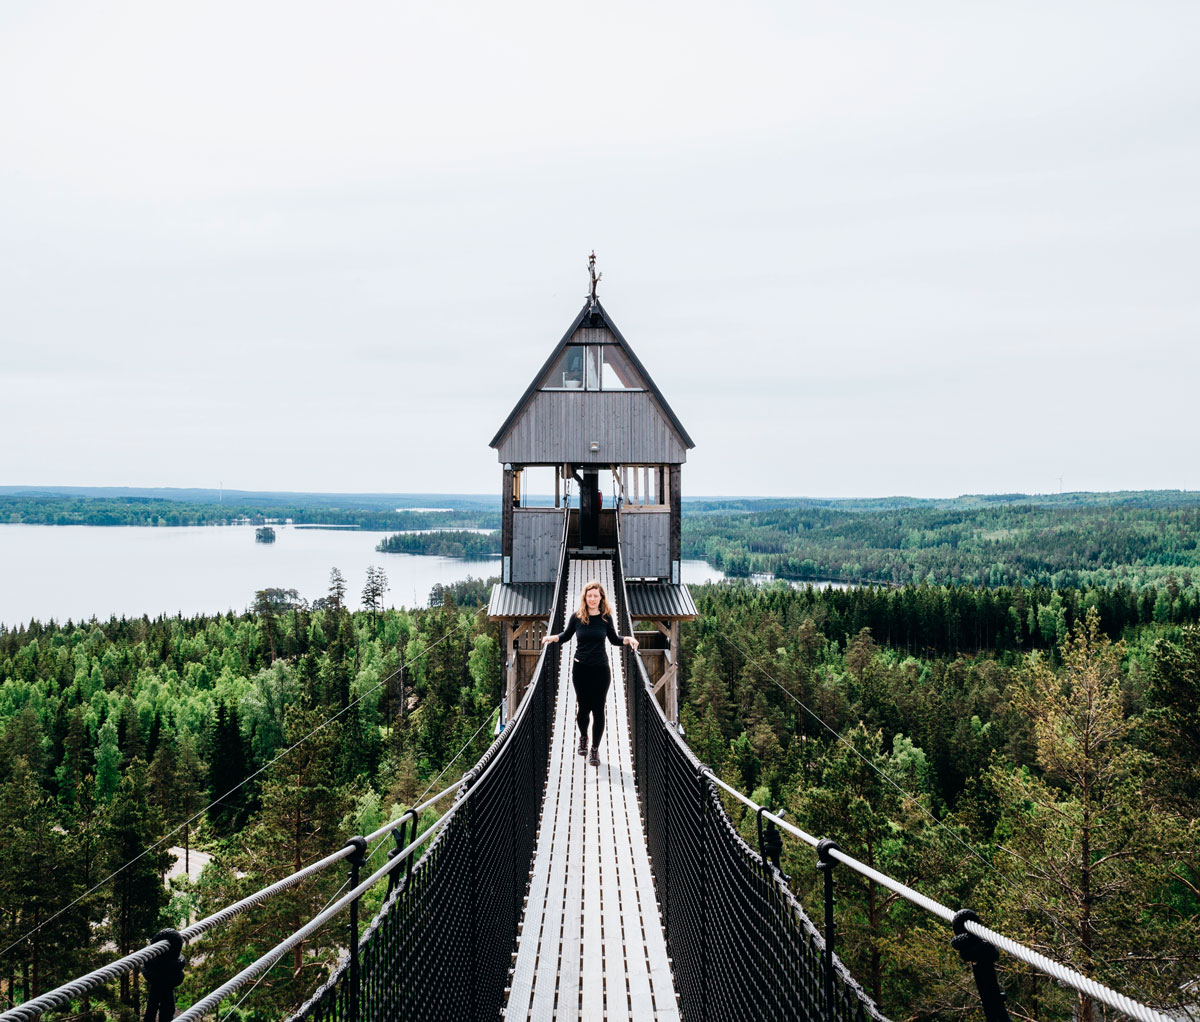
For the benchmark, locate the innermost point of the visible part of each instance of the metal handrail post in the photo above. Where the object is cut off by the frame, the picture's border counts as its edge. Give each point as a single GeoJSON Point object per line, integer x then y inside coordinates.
{"type": "Point", "coordinates": [770, 843]}
{"type": "Point", "coordinates": [357, 860]}
{"type": "Point", "coordinates": [826, 863]}
{"type": "Point", "coordinates": [163, 974]}
{"type": "Point", "coordinates": [398, 836]}
{"type": "Point", "coordinates": [982, 957]}
{"type": "Point", "coordinates": [705, 880]}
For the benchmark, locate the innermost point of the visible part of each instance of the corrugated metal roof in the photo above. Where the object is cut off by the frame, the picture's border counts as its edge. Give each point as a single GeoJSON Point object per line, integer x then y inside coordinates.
{"type": "Point", "coordinates": [659, 600]}
{"type": "Point", "coordinates": [521, 599]}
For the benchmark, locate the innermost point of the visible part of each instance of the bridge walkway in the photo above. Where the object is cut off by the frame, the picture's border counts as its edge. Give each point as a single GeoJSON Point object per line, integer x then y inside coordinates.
{"type": "Point", "coordinates": [591, 944]}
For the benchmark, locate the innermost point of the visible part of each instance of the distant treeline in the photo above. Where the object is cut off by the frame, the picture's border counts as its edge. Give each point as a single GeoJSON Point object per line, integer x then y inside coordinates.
{"type": "Point", "coordinates": [261, 498]}
{"type": "Point", "coordinates": [965, 502]}
{"type": "Point", "coordinates": [71, 510]}
{"type": "Point", "coordinates": [994, 546]}
{"type": "Point", "coordinates": [1074, 539]}
{"type": "Point", "coordinates": [473, 546]}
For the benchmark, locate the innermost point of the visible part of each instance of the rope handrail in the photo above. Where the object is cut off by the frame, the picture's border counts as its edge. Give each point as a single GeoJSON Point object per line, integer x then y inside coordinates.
{"type": "Point", "coordinates": [1060, 972]}
{"type": "Point", "coordinates": [232, 986]}
{"type": "Point", "coordinates": [440, 944]}
{"type": "Point", "coordinates": [60, 996]}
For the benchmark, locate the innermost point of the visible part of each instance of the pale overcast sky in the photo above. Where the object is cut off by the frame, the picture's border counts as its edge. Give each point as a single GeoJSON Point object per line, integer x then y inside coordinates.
{"type": "Point", "coordinates": [863, 249]}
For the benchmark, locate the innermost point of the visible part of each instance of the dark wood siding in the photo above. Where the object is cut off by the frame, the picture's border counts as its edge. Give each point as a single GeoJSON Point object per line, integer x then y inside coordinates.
{"type": "Point", "coordinates": [559, 426]}
{"type": "Point", "coordinates": [646, 544]}
{"type": "Point", "coordinates": [676, 517]}
{"type": "Point", "coordinates": [537, 535]}
{"type": "Point", "coordinates": [506, 510]}
{"type": "Point", "coordinates": [593, 335]}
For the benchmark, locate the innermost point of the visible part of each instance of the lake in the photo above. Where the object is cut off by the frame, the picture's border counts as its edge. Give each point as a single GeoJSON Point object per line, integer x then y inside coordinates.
{"type": "Point", "coordinates": [81, 571]}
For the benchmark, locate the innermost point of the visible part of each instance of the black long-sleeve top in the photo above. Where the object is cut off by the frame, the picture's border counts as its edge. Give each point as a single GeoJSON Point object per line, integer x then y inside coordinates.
{"type": "Point", "coordinates": [589, 645]}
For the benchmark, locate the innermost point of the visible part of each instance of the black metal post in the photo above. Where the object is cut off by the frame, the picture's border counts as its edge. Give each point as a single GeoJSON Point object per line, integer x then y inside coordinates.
{"type": "Point", "coordinates": [359, 844]}
{"type": "Point", "coordinates": [705, 880]}
{"type": "Point", "coordinates": [468, 817]}
{"type": "Point", "coordinates": [401, 841]}
{"type": "Point", "coordinates": [825, 863]}
{"type": "Point", "coordinates": [982, 956]}
{"type": "Point", "coordinates": [770, 843]}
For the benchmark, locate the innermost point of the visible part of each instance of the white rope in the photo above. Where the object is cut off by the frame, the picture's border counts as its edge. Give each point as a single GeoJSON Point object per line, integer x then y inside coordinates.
{"type": "Point", "coordinates": [1070, 977]}
{"type": "Point", "coordinates": [63, 995]}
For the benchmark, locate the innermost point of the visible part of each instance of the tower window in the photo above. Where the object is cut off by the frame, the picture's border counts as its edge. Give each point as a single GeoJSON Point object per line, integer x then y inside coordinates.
{"type": "Point", "coordinates": [592, 367]}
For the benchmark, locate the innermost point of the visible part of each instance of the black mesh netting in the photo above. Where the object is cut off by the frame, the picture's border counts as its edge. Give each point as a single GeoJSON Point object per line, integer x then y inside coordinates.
{"type": "Point", "coordinates": [441, 945]}
{"type": "Point", "coordinates": [741, 944]}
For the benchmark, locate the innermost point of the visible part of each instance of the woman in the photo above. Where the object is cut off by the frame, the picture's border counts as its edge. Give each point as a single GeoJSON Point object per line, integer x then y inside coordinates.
{"type": "Point", "coordinates": [591, 624]}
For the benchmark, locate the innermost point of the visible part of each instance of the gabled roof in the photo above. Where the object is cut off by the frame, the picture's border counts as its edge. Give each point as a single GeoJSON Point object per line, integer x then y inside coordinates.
{"type": "Point", "coordinates": [593, 316]}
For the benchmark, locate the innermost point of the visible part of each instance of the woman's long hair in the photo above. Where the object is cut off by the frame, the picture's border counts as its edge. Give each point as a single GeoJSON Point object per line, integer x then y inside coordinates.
{"type": "Point", "coordinates": [582, 612]}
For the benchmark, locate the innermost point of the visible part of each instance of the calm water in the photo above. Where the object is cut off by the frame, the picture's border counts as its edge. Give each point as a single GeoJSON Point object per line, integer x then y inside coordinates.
{"type": "Point", "coordinates": [80, 571]}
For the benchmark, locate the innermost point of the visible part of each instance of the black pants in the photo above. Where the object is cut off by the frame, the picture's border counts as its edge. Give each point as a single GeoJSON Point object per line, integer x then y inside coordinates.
{"type": "Point", "coordinates": [591, 688]}
{"type": "Point", "coordinates": [164, 1005]}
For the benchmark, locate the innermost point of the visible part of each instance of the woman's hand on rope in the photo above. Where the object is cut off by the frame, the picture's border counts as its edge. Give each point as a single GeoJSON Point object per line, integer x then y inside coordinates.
{"type": "Point", "coordinates": [632, 642]}
{"type": "Point", "coordinates": [547, 639]}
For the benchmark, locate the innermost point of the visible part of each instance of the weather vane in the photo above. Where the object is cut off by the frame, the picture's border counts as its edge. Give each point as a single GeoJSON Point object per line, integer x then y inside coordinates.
{"type": "Point", "coordinates": [596, 277]}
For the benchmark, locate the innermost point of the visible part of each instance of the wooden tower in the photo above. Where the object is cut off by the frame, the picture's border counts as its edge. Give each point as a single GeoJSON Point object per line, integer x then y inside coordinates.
{"type": "Point", "coordinates": [595, 418]}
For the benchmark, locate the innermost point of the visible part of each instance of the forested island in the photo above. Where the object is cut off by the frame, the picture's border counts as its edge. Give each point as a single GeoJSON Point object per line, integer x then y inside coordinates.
{"type": "Point", "coordinates": [474, 546]}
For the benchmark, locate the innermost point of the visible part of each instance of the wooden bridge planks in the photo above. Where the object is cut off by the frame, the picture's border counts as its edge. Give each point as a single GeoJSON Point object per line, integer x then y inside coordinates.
{"type": "Point", "coordinates": [591, 944]}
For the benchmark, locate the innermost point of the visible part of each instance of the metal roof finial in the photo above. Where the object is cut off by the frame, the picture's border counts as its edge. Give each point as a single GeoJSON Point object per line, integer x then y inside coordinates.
{"type": "Point", "coordinates": [596, 277]}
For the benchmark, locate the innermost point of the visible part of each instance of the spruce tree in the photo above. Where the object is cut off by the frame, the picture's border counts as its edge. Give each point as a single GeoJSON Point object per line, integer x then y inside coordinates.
{"type": "Point", "coordinates": [108, 760]}
{"type": "Point", "coordinates": [71, 769]}
{"type": "Point", "coordinates": [299, 822]}
{"type": "Point", "coordinates": [190, 790]}
{"type": "Point", "coordinates": [229, 766]}
{"type": "Point", "coordinates": [131, 826]}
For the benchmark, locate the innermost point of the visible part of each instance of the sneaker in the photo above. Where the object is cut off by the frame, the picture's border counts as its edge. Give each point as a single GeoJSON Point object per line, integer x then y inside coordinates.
{"type": "Point", "coordinates": [583, 745]}
{"type": "Point", "coordinates": [594, 758]}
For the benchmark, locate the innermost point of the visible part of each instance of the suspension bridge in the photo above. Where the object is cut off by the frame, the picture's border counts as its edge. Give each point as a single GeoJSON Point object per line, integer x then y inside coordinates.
{"type": "Point", "coordinates": [550, 889]}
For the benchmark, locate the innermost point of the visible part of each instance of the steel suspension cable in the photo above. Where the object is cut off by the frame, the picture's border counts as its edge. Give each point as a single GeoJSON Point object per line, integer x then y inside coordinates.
{"type": "Point", "coordinates": [32, 1009]}
{"type": "Point", "coordinates": [833, 731]}
{"type": "Point", "coordinates": [1057, 970]}
{"type": "Point", "coordinates": [255, 984]}
{"type": "Point", "coordinates": [212, 1000]}
{"type": "Point", "coordinates": [63, 995]}
{"type": "Point", "coordinates": [912, 799]}
{"type": "Point", "coordinates": [380, 836]}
